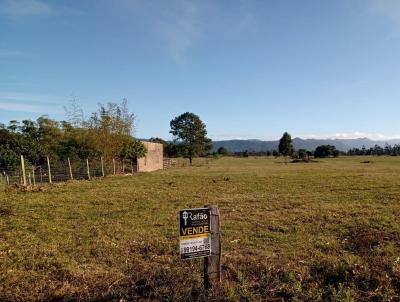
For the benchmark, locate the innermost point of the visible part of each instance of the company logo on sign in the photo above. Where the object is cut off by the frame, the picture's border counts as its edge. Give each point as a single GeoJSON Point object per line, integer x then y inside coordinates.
{"type": "Point", "coordinates": [193, 217]}
{"type": "Point", "coordinates": [185, 216]}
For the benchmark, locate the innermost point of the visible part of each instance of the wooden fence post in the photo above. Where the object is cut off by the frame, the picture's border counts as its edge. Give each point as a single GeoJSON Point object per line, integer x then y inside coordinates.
{"type": "Point", "coordinates": [102, 165]}
{"type": "Point", "coordinates": [212, 264]}
{"type": "Point", "coordinates": [3, 176]}
{"type": "Point", "coordinates": [29, 178]}
{"type": "Point", "coordinates": [87, 166]}
{"type": "Point", "coordinates": [6, 180]}
{"type": "Point", "coordinates": [70, 170]}
{"type": "Point", "coordinates": [33, 175]}
{"type": "Point", "coordinates": [48, 169]}
{"type": "Point", "coordinates": [114, 165]}
{"type": "Point", "coordinates": [23, 170]}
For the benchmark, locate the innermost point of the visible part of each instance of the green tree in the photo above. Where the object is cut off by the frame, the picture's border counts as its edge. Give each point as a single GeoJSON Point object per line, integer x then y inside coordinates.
{"type": "Point", "coordinates": [286, 145]}
{"type": "Point", "coordinates": [191, 135]}
{"type": "Point", "coordinates": [110, 128]}
{"type": "Point", "coordinates": [134, 150]}
{"type": "Point", "coordinates": [222, 151]}
{"type": "Point", "coordinates": [302, 153]}
{"type": "Point", "coordinates": [13, 125]}
{"type": "Point", "coordinates": [108, 132]}
{"type": "Point", "coordinates": [326, 151]}
{"type": "Point", "coordinates": [35, 141]}
{"type": "Point", "coordinates": [75, 144]}
{"type": "Point", "coordinates": [172, 150]}
{"type": "Point", "coordinates": [9, 160]}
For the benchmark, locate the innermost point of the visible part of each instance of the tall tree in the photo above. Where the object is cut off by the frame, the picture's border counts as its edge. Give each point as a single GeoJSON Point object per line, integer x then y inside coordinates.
{"type": "Point", "coordinates": [286, 145]}
{"type": "Point", "coordinates": [111, 128]}
{"type": "Point", "coordinates": [133, 150]}
{"type": "Point", "coordinates": [190, 134]}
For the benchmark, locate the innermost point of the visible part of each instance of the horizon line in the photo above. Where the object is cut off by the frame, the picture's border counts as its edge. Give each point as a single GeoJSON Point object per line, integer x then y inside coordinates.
{"type": "Point", "coordinates": [383, 139]}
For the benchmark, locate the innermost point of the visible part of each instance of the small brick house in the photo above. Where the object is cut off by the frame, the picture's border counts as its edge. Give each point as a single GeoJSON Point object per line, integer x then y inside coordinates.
{"type": "Point", "coordinates": [153, 160]}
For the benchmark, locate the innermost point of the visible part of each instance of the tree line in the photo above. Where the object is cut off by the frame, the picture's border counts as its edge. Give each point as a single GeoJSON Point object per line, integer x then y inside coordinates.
{"type": "Point", "coordinates": [108, 133]}
{"type": "Point", "coordinates": [286, 149]}
{"type": "Point", "coordinates": [376, 150]}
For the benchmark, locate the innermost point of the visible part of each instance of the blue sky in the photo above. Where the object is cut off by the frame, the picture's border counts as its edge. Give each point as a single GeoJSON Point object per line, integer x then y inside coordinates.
{"type": "Point", "coordinates": [249, 69]}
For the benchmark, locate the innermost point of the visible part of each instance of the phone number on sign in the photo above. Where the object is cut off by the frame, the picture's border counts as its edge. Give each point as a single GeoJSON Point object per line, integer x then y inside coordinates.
{"type": "Point", "coordinates": [195, 248]}
{"type": "Point", "coordinates": [195, 245]}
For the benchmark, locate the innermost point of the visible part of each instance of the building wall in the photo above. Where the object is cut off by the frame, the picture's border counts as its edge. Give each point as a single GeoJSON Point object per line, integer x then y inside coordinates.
{"type": "Point", "coordinates": [153, 160]}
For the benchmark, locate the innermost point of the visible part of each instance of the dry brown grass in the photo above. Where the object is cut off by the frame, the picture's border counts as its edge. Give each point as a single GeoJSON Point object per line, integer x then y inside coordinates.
{"type": "Point", "coordinates": [326, 231]}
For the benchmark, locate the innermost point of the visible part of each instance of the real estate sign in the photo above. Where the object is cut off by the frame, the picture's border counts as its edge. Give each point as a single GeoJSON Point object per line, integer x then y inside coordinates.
{"type": "Point", "coordinates": [195, 233]}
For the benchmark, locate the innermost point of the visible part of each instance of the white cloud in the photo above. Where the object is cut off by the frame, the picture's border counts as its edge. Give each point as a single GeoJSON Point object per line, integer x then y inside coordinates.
{"type": "Point", "coordinates": [23, 107]}
{"type": "Point", "coordinates": [34, 103]}
{"type": "Point", "coordinates": [21, 8]}
{"type": "Point", "coordinates": [29, 97]}
{"type": "Point", "coordinates": [353, 135]}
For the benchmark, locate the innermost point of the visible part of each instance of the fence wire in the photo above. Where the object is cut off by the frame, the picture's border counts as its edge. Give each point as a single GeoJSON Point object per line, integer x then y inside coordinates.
{"type": "Point", "coordinates": [58, 171]}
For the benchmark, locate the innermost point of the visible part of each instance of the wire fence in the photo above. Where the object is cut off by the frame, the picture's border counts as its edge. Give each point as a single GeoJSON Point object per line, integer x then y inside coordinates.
{"type": "Point", "coordinates": [57, 171]}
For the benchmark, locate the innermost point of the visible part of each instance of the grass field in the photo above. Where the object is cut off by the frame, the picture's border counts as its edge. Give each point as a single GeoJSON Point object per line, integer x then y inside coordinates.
{"type": "Point", "coordinates": [325, 231]}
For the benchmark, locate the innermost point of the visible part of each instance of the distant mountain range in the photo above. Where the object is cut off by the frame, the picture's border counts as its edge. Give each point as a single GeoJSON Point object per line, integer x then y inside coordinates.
{"type": "Point", "coordinates": [239, 145]}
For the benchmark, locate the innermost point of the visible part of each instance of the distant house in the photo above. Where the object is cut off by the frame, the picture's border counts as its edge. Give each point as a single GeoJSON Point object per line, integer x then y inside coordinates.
{"type": "Point", "coordinates": [153, 160]}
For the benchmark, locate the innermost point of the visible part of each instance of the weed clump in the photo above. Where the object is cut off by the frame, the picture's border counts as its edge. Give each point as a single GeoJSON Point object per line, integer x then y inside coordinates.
{"type": "Point", "coordinates": [5, 212]}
